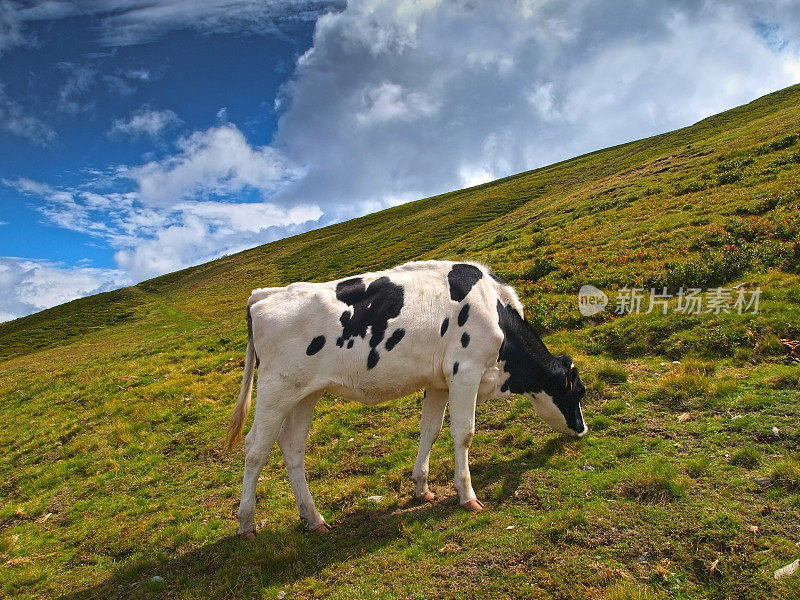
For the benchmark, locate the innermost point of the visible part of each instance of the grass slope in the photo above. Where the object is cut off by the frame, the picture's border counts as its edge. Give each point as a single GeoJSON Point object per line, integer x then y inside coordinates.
{"type": "Point", "coordinates": [114, 406]}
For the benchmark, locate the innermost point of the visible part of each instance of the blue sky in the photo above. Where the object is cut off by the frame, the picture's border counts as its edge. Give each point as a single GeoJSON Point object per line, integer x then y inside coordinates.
{"type": "Point", "coordinates": [138, 137]}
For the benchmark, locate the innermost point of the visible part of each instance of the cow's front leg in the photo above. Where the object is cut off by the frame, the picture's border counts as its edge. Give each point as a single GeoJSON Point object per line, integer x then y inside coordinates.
{"type": "Point", "coordinates": [292, 442]}
{"type": "Point", "coordinates": [430, 424]}
{"type": "Point", "coordinates": [463, 394]}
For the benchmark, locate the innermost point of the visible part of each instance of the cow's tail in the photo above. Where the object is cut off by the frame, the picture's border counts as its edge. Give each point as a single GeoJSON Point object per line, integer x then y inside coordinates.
{"type": "Point", "coordinates": [242, 407]}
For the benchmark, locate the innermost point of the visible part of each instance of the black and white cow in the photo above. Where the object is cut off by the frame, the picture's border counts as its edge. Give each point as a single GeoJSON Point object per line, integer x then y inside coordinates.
{"type": "Point", "coordinates": [452, 328]}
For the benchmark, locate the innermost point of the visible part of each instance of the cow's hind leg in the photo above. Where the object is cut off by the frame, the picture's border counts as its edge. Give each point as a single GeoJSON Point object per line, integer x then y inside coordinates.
{"type": "Point", "coordinates": [292, 441]}
{"type": "Point", "coordinates": [272, 406]}
{"type": "Point", "coordinates": [463, 395]}
{"type": "Point", "coordinates": [430, 424]}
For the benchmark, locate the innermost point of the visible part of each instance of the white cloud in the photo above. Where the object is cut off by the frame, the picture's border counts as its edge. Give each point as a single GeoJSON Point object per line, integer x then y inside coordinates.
{"type": "Point", "coordinates": [401, 96]}
{"type": "Point", "coordinates": [231, 219]}
{"type": "Point", "coordinates": [389, 102]}
{"type": "Point", "coordinates": [145, 122]}
{"type": "Point", "coordinates": [125, 82]}
{"type": "Point", "coordinates": [213, 162]}
{"type": "Point", "coordinates": [14, 15]}
{"type": "Point", "coordinates": [15, 120]}
{"type": "Point", "coordinates": [80, 79]}
{"type": "Point", "coordinates": [202, 231]}
{"type": "Point", "coordinates": [33, 285]}
{"type": "Point", "coordinates": [11, 26]}
{"type": "Point", "coordinates": [183, 210]}
{"type": "Point", "coordinates": [139, 74]}
{"type": "Point", "coordinates": [127, 22]}
{"type": "Point", "coordinates": [151, 240]}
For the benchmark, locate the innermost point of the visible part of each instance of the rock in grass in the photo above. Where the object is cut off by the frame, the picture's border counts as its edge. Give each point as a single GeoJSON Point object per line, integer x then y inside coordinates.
{"type": "Point", "coordinates": [787, 570]}
{"type": "Point", "coordinates": [157, 579]}
{"type": "Point", "coordinates": [375, 499]}
{"type": "Point", "coordinates": [764, 481]}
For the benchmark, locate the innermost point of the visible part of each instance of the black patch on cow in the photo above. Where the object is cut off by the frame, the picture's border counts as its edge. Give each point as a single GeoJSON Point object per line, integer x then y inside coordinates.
{"type": "Point", "coordinates": [373, 358]}
{"type": "Point", "coordinates": [445, 324]}
{"type": "Point", "coordinates": [465, 339]}
{"type": "Point", "coordinates": [316, 345]}
{"type": "Point", "coordinates": [350, 344]}
{"type": "Point", "coordinates": [372, 306]}
{"type": "Point", "coordinates": [463, 315]}
{"type": "Point", "coordinates": [455, 367]}
{"type": "Point", "coordinates": [532, 368]}
{"type": "Point", "coordinates": [340, 342]}
{"type": "Point", "coordinates": [395, 338]}
{"type": "Point", "coordinates": [461, 278]}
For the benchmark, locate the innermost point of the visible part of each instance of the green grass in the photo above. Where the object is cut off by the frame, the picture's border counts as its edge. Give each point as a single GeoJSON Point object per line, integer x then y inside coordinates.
{"type": "Point", "coordinates": [114, 407]}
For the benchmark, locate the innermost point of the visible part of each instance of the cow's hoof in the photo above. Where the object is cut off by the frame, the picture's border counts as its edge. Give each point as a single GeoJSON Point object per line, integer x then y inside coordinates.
{"type": "Point", "coordinates": [321, 528]}
{"type": "Point", "coordinates": [248, 535]}
{"type": "Point", "coordinates": [427, 497]}
{"type": "Point", "coordinates": [474, 505]}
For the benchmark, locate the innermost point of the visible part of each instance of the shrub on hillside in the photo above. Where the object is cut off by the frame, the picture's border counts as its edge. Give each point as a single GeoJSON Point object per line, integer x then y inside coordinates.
{"type": "Point", "coordinates": [780, 144]}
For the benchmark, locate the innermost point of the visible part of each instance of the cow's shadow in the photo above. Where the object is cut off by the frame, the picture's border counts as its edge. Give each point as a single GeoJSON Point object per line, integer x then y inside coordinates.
{"type": "Point", "coordinates": [233, 567]}
{"type": "Point", "coordinates": [508, 474]}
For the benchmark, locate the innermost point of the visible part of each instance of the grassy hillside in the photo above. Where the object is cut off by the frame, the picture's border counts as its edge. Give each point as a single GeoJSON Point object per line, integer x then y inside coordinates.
{"type": "Point", "coordinates": [687, 486]}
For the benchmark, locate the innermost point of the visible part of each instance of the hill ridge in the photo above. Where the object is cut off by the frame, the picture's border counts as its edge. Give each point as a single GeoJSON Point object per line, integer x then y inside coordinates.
{"type": "Point", "coordinates": [422, 228]}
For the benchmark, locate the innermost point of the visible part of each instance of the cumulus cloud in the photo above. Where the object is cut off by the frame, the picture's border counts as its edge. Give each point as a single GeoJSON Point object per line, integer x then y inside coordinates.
{"type": "Point", "coordinates": [408, 99]}
{"type": "Point", "coordinates": [32, 285]}
{"type": "Point", "coordinates": [217, 161]}
{"type": "Point", "coordinates": [145, 122]}
{"type": "Point", "coordinates": [202, 231]}
{"type": "Point", "coordinates": [390, 102]}
{"type": "Point", "coordinates": [183, 210]}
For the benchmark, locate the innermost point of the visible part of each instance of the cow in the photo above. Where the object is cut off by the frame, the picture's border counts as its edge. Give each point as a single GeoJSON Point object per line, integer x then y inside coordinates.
{"type": "Point", "coordinates": [452, 328]}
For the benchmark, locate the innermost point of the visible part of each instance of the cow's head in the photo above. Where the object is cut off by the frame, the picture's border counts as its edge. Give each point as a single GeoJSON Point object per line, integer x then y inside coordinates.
{"type": "Point", "coordinates": [559, 401]}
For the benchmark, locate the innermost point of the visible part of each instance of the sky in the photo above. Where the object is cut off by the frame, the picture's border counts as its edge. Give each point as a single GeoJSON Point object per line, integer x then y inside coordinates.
{"type": "Point", "coordinates": [139, 137]}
